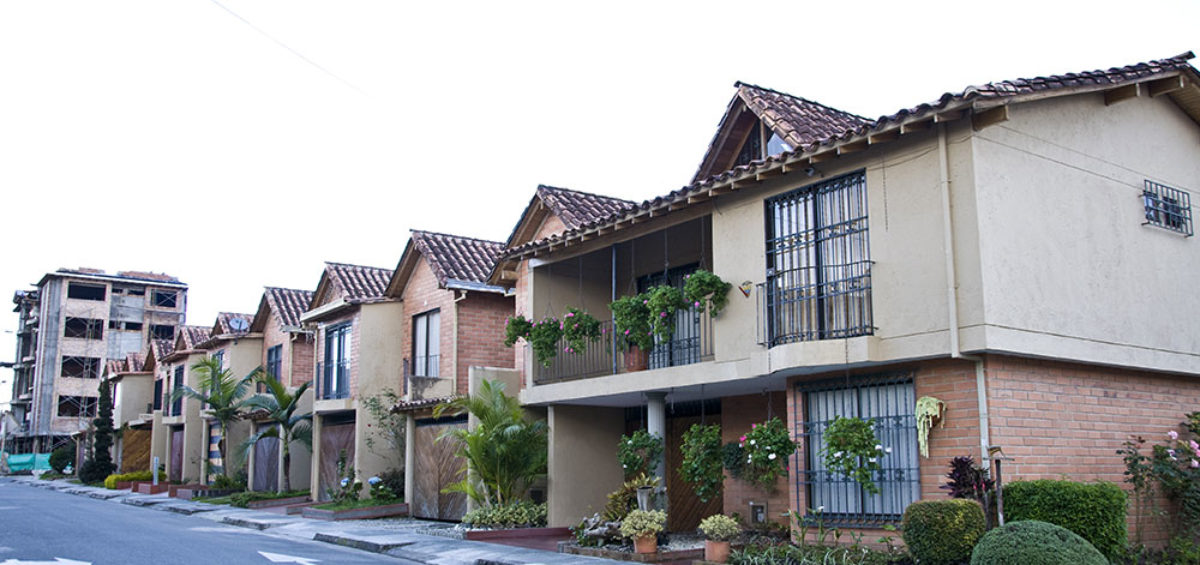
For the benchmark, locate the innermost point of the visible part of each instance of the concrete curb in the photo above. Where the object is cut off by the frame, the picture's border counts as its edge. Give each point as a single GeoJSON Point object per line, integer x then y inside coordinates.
{"type": "Point", "coordinates": [359, 543]}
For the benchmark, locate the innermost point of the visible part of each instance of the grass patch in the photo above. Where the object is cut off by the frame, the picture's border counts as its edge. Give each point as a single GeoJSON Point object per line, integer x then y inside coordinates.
{"type": "Point", "coordinates": [351, 505]}
{"type": "Point", "coordinates": [214, 500]}
{"type": "Point", "coordinates": [51, 475]}
{"type": "Point", "coordinates": [243, 499]}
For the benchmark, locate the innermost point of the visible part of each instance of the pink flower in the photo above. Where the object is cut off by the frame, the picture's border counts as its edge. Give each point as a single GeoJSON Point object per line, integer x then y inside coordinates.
{"type": "Point", "coordinates": [1193, 444]}
{"type": "Point", "coordinates": [662, 314]}
{"type": "Point", "coordinates": [645, 302]}
{"type": "Point", "coordinates": [603, 331]}
{"type": "Point", "coordinates": [753, 426]}
{"type": "Point", "coordinates": [1195, 464]}
{"type": "Point", "coordinates": [697, 304]}
{"type": "Point", "coordinates": [569, 315]}
{"type": "Point", "coordinates": [742, 439]}
{"type": "Point", "coordinates": [626, 332]}
{"type": "Point", "coordinates": [1174, 435]}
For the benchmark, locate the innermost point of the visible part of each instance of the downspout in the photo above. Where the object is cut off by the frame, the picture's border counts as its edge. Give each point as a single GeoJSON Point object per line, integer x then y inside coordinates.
{"type": "Point", "coordinates": [952, 297]}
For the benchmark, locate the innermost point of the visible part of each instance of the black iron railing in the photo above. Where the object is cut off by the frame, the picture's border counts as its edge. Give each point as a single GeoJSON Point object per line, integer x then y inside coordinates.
{"type": "Point", "coordinates": [335, 380]}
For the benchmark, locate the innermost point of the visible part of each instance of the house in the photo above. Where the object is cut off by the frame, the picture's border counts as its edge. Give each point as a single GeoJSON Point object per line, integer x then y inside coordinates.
{"type": "Point", "coordinates": [286, 356]}
{"type": "Point", "coordinates": [358, 333]}
{"type": "Point", "coordinates": [178, 436]}
{"type": "Point", "coordinates": [133, 408]}
{"type": "Point", "coordinates": [239, 351]}
{"type": "Point", "coordinates": [454, 322]}
{"type": "Point", "coordinates": [1016, 250]}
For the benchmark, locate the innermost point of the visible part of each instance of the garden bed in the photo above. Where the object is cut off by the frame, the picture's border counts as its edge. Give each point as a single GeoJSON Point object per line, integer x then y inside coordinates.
{"type": "Point", "coordinates": [146, 487]}
{"type": "Point", "coordinates": [680, 547]}
{"type": "Point", "coordinates": [488, 535]}
{"type": "Point", "coordinates": [188, 491]}
{"type": "Point", "coordinates": [272, 502]}
{"type": "Point", "coordinates": [360, 513]}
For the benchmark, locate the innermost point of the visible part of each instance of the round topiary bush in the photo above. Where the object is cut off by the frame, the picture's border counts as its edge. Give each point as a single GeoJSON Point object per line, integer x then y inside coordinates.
{"type": "Point", "coordinates": [1029, 542]}
{"type": "Point", "coordinates": [940, 532]}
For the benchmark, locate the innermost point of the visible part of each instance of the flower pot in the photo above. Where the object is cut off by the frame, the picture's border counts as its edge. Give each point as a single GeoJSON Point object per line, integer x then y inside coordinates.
{"type": "Point", "coordinates": [645, 544]}
{"type": "Point", "coordinates": [643, 497]}
{"type": "Point", "coordinates": [716, 551]}
{"type": "Point", "coordinates": [636, 359]}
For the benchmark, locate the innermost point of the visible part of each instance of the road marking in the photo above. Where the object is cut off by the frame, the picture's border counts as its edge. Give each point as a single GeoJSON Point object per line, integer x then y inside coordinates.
{"type": "Point", "coordinates": [57, 561]}
{"type": "Point", "coordinates": [280, 558]}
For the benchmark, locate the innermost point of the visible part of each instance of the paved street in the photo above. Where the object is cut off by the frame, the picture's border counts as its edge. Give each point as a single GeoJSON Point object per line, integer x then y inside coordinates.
{"type": "Point", "coordinates": [44, 525]}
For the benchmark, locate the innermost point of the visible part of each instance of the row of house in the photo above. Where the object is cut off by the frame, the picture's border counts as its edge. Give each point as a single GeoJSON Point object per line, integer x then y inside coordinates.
{"type": "Point", "coordinates": [1020, 250]}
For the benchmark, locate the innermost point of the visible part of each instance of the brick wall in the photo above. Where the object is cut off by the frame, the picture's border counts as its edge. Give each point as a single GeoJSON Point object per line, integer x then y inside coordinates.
{"type": "Point", "coordinates": [550, 226]}
{"type": "Point", "coordinates": [300, 351]}
{"type": "Point", "coordinates": [422, 294]}
{"type": "Point", "coordinates": [480, 325]}
{"type": "Point", "coordinates": [737, 414]}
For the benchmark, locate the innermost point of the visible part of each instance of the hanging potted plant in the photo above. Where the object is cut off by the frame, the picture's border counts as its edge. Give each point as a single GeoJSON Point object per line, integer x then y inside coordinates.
{"type": "Point", "coordinates": [718, 529]}
{"type": "Point", "coordinates": [663, 301]}
{"type": "Point", "coordinates": [766, 448]}
{"type": "Point", "coordinates": [631, 319]}
{"type": "Point", "coordinates": [702, 460]}
{"type": "Point", "coordinates": [643, 527]}
{"type": "Point", "coordinates": [543, 338]}
{"type": "Point", "coordinates": [852, 449]}
{"type": "Point", "coordinates": [518, 327]}
{"type": "Point", "coordinates": [639, 453]}
{"type": "Point", "coordinates": [704, 290]}
{"type": "Point", "coordinates": [579, 329]}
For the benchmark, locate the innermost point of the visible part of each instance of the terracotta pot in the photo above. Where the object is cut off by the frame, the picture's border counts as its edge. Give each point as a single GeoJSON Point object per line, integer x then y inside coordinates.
{"type": "Point", "coordinates": [716, 551]}
{"type": "Point", "coordinates": [646, 544]}
{"type": "Point", "coordinates": [636, 359]}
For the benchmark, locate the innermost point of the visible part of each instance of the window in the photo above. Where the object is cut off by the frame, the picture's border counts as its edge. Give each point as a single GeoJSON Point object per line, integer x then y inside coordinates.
{"type": "Point", "coordinates": [752, 148]}
{"type": "Point", "coordinates": [1168, 208]}
{"type": "Point", "coordinates": [426, 344]}
{"type": "Point", "coordinates": [77, 406]}
{"type": "Point", "coordinates": [818, 263]}
{"type": "Point", "coordinates": [162, 332]}
{"type": "Point", "coordinates": [684, 347]}
{"type": "Point", "coordinates": [177, 403]}
{"type": "Point", "coordinates": [158, 392]}
{"type": "Point", "coordinates": [137, 292]}
{"type": "Point", "coordinates": [127, 326]}
{"type": "Point", "coordinates": [85, 328]}
{"type": "Point", "coordinates": [164, 298]}
{"type": "Point", "coordinates": [336, 369]}
{"type": "Point", "coordinates": [85, 291]}
{"type": "Point", "coordinates": [889, 400]}
{"type": "Point", "coordinates": [80, 367]}
{"type": "Point", "coordinates": [275, 361]}
{"type": "Point", "coordinates": [219, 356]}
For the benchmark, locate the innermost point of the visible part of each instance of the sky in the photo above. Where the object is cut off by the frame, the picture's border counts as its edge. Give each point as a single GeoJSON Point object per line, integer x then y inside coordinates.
{"type": "Point", "coordinates": [237, 144]}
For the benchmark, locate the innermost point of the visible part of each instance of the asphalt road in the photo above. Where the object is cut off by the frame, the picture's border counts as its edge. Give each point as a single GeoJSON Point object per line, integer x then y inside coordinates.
{"type": "Point", "coordinates": [42, 525]}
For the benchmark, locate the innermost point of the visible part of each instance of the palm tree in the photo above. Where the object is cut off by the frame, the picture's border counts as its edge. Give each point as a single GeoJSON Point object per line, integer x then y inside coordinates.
{"type": "Point", "coordinates": [222, 393]}
{"type": "Point", "coordinates": [505, 452]}
{"type": "Point", "coordinates": [281, 409]}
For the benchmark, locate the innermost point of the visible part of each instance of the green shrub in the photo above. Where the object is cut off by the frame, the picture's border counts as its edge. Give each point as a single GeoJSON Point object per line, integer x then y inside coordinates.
{"type": "Point", "coordinates": [940, 532]}
{"type": "Point", "coordinates": [1096, 512]}
{"type": "Point", "coordinates": [1030, 542]}
{"type": "Point", "coordinates": [243, 499]}
{"type": "Point", "coordinates": [523, 514]}
{"type": "Point", "coordinates": [110, 482]}
{"type": "Point", "coordinates": [61, 457]}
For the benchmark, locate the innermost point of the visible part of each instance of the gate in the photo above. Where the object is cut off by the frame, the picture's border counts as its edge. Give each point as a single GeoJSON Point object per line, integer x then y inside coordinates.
{"type": "Point", "coordinates": [176, 474]}
{"type": "Point", "coordinates": [337, 437]}
{"type": "Point", "coordinates": [266, 462]}
{"type": "Point", "coordinates": [436, 466]}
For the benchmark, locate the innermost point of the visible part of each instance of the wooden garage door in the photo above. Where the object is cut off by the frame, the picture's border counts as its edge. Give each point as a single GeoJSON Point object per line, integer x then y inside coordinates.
{"type": "Point", "coordinates": [435, 467]}
{"type": "Point", "coordinates": [266, 462]}
{"type": "Point", "coordinates": [686, 509]}
{"type": "Point", "coordinates": [336, 437]}
{"type": "Point", "coordinates": [176, 454]}
{"type": "Point", "coordinates": [135, 450]}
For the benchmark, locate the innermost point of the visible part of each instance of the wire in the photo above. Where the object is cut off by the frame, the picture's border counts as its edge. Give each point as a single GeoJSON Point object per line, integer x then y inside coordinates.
{"type": "Point", "coordinates": [287, 47]}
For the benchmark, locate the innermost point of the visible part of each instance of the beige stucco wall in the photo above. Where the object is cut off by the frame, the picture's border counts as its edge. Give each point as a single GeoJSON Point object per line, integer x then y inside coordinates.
{"type": "Point", "coordinates": [380, 367]}
{"type": "Point", "coordinates": [1070, 270]}
{"type": "Point", "coordinates": [158, 440]}
{"type": "Point", "coordinates": [133, 392]}
{"type": "Point", "coordinates": [582, 466]}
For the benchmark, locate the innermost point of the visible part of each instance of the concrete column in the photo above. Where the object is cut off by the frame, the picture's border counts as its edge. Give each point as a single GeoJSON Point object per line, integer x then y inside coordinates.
{"type": "Point", "coordinates": [410, 432]}
{"type": "Point", "coordinates": [656, 424]}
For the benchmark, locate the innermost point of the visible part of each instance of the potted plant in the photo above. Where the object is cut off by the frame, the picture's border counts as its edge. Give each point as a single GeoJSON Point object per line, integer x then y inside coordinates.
{"type": "Point", "coordinates": [543, 338]}
{"type": "Point", "coordinates": [518, 327]}
{"type": "Point", "coordinates": [705, 290]}
{"type": "Point", "coordinates": [766, 448]}
{"type": "Point", "coordinates": [579, 329]}
{"type": "Point", "coordinates": [663, 301]}
{"type": "Point", "coordinates": [702, 460]}
{"type": "Point", "coordinates": [852, 449]}
{"type": "Point", "coordinates": [631, 319]}
{"type": "Point", "coordinates": [643, 527]}
{"type": "Point", "coordinates": [639, 453]}
{"type": "Point", "coordinates": [718, 529]}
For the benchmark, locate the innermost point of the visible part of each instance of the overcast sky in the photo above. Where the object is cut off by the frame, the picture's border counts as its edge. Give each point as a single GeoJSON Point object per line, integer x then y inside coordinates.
{"type": "Point", "coordinates": [239, 143]}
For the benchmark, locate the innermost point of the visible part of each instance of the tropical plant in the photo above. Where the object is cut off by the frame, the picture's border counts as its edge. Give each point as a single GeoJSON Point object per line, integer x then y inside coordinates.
{"type": "Point", "coordinates": [631, 318]}
{"type": "Point", "coordinates": [222, 393]}
{"type": "Point", "coordinates": [702, 460]}
{"type": "Point", "coordinates": [766, 448]}
{"type": "Point", "coordinates": [643, 523]}
{"type": "Point", "coordinates": [624, 499]}
{"type": "Point", "coordinates": [639, 453]}
{"type": "Point", "coordinates": [543, 338]}
{"type": "Point", "coordinates": [517, 328]}
{"type": "Point", "coordinates": [579, 329]}
{"type": "Point", "coordinates": [720, 527]}
{"type": "Point", "coordinates": [663, 301]}
{"type": "Point", "coordinates": [706, 290]}
{"type": "Point", "coordinates": [852, 449]}
{"type": "Point", "coordinates": [505, 451]}
{"type": "Point", "coordinates": [281, 408]}
{"type": "Point", "coordinates": [99, 463]}
{"type": "Point", "coordinates": [968, 480]}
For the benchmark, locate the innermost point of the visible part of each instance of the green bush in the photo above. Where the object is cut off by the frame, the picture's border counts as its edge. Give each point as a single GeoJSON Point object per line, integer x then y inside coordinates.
{"type": "Point", "coordinates": [1096, 512]}
{"type": "Point", "coordinates": [1030, 542]}
{"type": "Point", "coordinates": [940, 532]}
{"type": "Point", "coordinates": [110, 482]}
{"type": "Point", "coordinates": [522, 514]}
{"type": "Point", "coordinates": [243, 499]}
{"type": "Point", "coordinates": [61, 457]}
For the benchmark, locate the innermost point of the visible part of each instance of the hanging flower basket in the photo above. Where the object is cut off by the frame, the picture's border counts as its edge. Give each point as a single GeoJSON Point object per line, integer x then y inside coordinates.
{"type": "Point", "coordinates": [579, 329]}
{"type": "Point", "coordinates": [543, 338]}
{"type": "Point", "coordinates": [631, 318]}
{"type": "Point", "coordinates": [704, 290]}
{"type": "Point", "coordinates": [765, 450]}
{"type": "Point", "coordinates": [702, 465]}
{"type": "Point", "coordinates": [852, 449]}
{"type": "Point", "coordinates": [664, 301]}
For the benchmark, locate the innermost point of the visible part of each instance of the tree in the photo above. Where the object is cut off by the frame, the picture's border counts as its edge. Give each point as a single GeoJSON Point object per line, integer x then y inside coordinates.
{"type": "Point", "coordinates": [281, 409]}
{"type": "Point", "coordinates": [99, 464]}
{"type": "Point", "coordinates": [504, 451]}
{"type": "Point", "coordinates": [224, 395]}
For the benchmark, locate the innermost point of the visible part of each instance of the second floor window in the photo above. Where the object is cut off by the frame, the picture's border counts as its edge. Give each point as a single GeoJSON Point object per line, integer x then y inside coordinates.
{"type": "Point", "coordinates": [177, 403]}
{"type": "Point", "coordinates": [219, 356]}
{"type": "Point", "coordinates": [426, 343]}
{"type": "Point", "coordinates": [81, 367]}
{"type": "Point", "coordinates": [165, 299]}
{"type": "Point", "coordinates": [337, 362]}
{"type": "Point", "coordinates": [162, 332]}
{"type": "Point", "coordinates": [275, 362]}
{"type": "Point", "coordinates": [818, 262]}
{"type": "Point", "coordinates": [85, 328]}
{"type": "Point", "coordinates": [86, 292]}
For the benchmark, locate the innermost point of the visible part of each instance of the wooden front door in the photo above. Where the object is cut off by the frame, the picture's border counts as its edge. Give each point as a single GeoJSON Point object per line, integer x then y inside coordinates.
{"type": "Point", "coordinates": [266, 462]}
{"type": "Point", "coordinates": [685, 509]}
{"type": "Point", "coordinates": [176, 474]}
{"type": "Point", "coordinates": [436, 466]}
{"type": "Point", "coordinates": [135, 450]}
{"type": "Point", "coordinates": [336, 439]}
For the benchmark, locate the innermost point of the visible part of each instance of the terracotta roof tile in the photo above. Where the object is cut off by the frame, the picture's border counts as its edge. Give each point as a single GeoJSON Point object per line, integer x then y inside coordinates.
{"type": "Point", "coordinates": [114, 366]}
{"type": "Point", "coordinates": [576, 208]}
{"type": "Point", "coordinates": [797, 120]}
{"type": "Point", "coordinates": [160, 348]}
{"type": "Point", "coordinates": [411, 405]}
{"type": "Point", "coordinates": [358, 282]}
{"type": "Point", "coordinates": [135, 362]}
{"type": "Point", "coordinates": [224, 318]}
{"type": "Point", "coordinates": [194, 335]}
{"type": "Point", "coordinates": [288, 303]}
{"type": "Point", "coordinates": [456, 257]}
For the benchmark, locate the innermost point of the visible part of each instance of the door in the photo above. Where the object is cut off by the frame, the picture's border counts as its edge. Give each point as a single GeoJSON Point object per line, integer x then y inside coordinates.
{"type": "Point", "coordinates": [436, 466]}
{"type": "Point", "coordinates": [135, 450]}
{"type": "Point", "coordinates": [686, 509]}
{"type": "Point", "coordinates": [266, 462]}
{"type": "Point", "coordinates": [337, 440]}
{"type": "Point", "coordinates": [176, 474]}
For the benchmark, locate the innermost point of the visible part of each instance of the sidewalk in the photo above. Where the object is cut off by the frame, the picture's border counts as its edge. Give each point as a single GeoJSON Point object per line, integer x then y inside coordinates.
{"type": "Point", "coordinates": [412, 539]}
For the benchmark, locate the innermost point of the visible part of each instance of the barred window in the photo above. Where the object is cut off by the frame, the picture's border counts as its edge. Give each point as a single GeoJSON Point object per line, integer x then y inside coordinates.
{"type": "Point", "coordinates": [889, 400]}
{"type": "Point", "coordinates": [818, 262]}
{"type": "Point", "coordinates": [1168, 208]}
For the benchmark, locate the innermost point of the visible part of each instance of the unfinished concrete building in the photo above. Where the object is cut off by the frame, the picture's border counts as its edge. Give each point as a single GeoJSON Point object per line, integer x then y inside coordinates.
{"type": "Point", "coordinates": [70, 326]}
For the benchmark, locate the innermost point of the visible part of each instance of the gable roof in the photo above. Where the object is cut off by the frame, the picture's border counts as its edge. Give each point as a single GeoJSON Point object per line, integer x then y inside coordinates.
{"type": "Point", "coordinates": [457, 261]}
{"type": "Point", "coordinates": [1172, 77]}
{"type": "Point", "coordinates": [189, 338]}
{"type": "Point", "coordinates": [156, 350]}
{"type": "Point", "coordinates": [287, 303]}
{"type": "Point", "coordinates": [797, 121]}
{"type": "Point", "coordinates": [223, 325]}
{"type": "Point", "coordinates": [572, 207]}
{"type": "Point", "coordinates": [355, 284]}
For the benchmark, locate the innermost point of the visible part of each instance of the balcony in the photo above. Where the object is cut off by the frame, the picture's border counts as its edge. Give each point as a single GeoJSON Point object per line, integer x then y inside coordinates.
{"type": "Point", "coordinates": [691, 343]}
{"type": "Point", "coordinates": [421, 380]}
{"type": "Point", "coordinates": [335, 380]}
{"type": "Point", "coordinates": [835, 310]}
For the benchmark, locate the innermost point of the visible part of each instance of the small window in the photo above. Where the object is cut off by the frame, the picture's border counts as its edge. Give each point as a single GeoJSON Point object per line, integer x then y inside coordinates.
{"type": "Point", "coordinates": [133, 326]}
{"type": "Point", "coordinates": [85, 292]}
{"type": "Point", "coordinates": [136, 292]}
{"type": "Point", "coordinates": [85, 328]}
{"type": "Point", "coordinates": [81, 367]}
{"type": "Point", "coordinates": [114, 325]}
{"type": "Point", "coordinates": [118, 290]}
{"type": "Point", "coordinates": [165, 299]}
{"type": "Point", "coordinates": [426, 344]}
{"type": "Point", "coordinates": [1168, 208]}
{"type": "Point", "coordinates": [77, 406]}
{"type": "Point", "coordinates": [162, 332]}
{"type": "Point", "coordinates": [275, 362]}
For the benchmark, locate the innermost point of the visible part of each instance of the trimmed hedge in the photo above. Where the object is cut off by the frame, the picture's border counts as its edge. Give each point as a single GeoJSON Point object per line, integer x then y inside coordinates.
{"type": "Point", "coordinates": [941, 532]}
{"type": "Point", "coordinates": [110, 482]}
{"type": "Point", "coordinates": [1030, 542]}
{"type": "Point", "coordinates": [1096, 511]}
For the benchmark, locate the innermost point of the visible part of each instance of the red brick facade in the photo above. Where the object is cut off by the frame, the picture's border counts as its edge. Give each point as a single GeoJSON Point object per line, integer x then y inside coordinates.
{"type": "Point", "coordinates": [296, 366]}
{"type": "Point", "coordinates": [738, 413]}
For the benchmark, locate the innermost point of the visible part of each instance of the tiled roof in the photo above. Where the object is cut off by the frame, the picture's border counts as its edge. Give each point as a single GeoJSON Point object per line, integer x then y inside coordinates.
{"type": "Point", "coordinates": [456, 257]}
{"type": "Point", "coordinates": [358, 282]}
{"type": "Point", "coordinates": [288, 303]}
{"type": "Point", "coordinates": [224, 318]}
{"type": "Point", "coordinates": [410, 405]}
{"type": "Point", "coordinates": [797, 120]}
{"type": "Point", "coordinates": [193, 336]}
{"type": "Point", "coordinates": [994, 91]}
{"type": "Point", "coordinates": [576, 208]}
{"type": "Point", "coordinates": [135, 362]}
{"type": "Point", "coordinates": [114, 366]}
{"type": "Point", "coordinates": [160, 348]}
